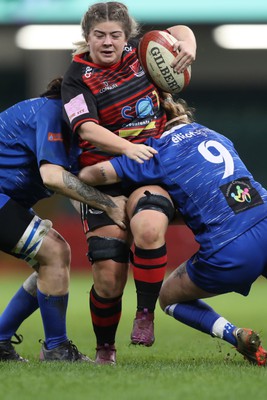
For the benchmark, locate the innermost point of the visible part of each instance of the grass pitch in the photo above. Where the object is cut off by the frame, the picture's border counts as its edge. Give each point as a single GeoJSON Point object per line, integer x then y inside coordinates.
{"type": "Point", "coordinates": [182, 364]}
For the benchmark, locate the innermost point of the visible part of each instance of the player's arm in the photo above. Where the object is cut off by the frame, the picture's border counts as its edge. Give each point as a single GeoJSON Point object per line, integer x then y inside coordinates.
{"type": "Point", "coordinates": [186, 46]}
{"type": "Point", "coordinates": [63, 182]}
{"type": "Point", "coordinates": [99, 174]}
{"type": "Point", "coordinates": [111, 143]}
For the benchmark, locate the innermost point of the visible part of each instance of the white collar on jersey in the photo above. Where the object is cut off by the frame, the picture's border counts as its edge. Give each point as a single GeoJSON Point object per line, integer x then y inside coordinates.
{"type": "Point", "coordinates": [172, 129]}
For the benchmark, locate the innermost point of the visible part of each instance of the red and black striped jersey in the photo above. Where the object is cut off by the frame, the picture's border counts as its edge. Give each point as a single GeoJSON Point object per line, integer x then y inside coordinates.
{"type": "Point", "coordinates": [120, 98]}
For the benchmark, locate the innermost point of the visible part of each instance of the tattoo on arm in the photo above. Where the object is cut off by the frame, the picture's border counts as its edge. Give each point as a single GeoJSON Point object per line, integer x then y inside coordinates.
{"type": "Point", "coordinates": [88, 193]}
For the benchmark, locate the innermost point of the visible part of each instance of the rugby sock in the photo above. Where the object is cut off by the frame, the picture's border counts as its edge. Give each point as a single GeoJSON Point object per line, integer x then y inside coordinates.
{"type": "Point", "coordinates": [196, 314]}
{"type": "Point", "coordinates": [224, 330]}
{"type": "Point", "coordinates": [105, 315]}
{"type": "Point", "coordinates": [149, 267]}
{"type": "Point", "coordinates": [53, 311]}
{"type": "Point", "coordinates": [20, 307]}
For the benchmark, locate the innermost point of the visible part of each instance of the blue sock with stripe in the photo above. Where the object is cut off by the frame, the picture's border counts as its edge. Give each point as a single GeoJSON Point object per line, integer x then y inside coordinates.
{"type": "Point", "coordinates": [228, 334]}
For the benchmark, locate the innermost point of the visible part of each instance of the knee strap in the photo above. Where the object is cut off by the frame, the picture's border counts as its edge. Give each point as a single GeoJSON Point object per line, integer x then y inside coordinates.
{"type": "Point", "coordinates": [155, 202]}
{"type": "Point", "coordinates": [23, 241]}
{"type": "Point", "coordinates": [31, 240]}
{"type": "Point", "coordinates": [106, 248]}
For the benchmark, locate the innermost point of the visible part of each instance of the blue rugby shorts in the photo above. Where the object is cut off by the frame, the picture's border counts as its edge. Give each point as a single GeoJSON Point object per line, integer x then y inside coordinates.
{"type": "Point", "coordinates": [234, 267]}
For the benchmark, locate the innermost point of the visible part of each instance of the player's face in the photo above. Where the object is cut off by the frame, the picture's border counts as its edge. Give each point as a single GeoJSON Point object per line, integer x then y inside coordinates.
{"type": "Point", "coordinates": [106, 42]}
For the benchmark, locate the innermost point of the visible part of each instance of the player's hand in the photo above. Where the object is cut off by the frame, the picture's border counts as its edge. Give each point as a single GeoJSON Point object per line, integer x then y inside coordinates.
{"type": "Point", "coordinates": [185, 57]}
{"type": "Point", "coordinates": [117, 211]}
{"type": "Point", "coordinates": [140, 152]}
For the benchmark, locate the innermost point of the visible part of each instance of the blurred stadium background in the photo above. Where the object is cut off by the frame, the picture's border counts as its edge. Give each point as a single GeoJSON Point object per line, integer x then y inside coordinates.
{"type": "Point", "coordinates": [228, 85]}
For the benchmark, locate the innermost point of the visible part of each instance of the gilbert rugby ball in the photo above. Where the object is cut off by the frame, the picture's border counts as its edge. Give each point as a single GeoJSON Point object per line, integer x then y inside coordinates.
{"type": "Point", "coordinates": [155, 52]}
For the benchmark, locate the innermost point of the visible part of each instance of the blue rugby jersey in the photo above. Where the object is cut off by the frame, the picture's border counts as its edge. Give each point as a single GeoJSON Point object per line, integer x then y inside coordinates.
{"type": "Point", "coordinates": [207, 180]}
{"type": "Point", "coordinates": [30, 132]}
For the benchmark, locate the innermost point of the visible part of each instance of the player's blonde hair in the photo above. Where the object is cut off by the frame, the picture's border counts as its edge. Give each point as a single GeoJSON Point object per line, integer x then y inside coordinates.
{"type": "Point", "coordinates": [106, 11]}
{"type": "Point", "coordinates": [177, 111]}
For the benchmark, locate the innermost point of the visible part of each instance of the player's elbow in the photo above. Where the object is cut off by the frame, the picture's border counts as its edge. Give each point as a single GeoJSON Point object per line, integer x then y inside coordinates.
{"type": "Point", "coordinates": [85, 175]}
{"type": "Point", "coordinates": [50, 175]}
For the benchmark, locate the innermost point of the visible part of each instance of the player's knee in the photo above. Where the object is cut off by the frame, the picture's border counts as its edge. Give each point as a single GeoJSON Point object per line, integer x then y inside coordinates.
{"type": "Point", "coordinates": [61, 253]}
{"type": "Point", "coordinates": [146, 231]}
{"type": "Point", "coordinates": [54, 263]}
{"type": "Point", "coordinates": [55, 251]}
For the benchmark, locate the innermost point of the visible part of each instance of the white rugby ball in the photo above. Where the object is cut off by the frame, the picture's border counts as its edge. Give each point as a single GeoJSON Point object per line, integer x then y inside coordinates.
{"type": "Point", "coordinates": [156, 53]}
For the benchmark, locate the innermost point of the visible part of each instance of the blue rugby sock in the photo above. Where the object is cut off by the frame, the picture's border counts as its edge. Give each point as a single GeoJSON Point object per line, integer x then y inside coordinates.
{"type": "Point", "coordinates": [228, 334]}
{"type": "Point", "coordinates": [20, 307]}
{"type": "Point", "coordinates": [53, 310]}
{"type": "Point", "coordinates": [196, 314]}
{"type": "Point", "coordinates": [223, 329]}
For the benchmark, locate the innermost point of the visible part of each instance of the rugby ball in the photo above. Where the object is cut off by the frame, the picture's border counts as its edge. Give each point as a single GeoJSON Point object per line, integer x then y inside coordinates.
{"type": "Point", "coordinates": [155, 53]}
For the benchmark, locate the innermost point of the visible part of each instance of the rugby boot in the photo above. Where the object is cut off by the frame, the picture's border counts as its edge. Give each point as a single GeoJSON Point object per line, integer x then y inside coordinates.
{"type": "Point", "coordinates": [8, 352]}
{"type": "Point", "coordinates": [106, 354]}
{"type": "Point", "coordinates": [249, 345]}
{"type": "Point", "coordinates": [66, 351]}
{"type": "Point", "coordinates": [143, 328]}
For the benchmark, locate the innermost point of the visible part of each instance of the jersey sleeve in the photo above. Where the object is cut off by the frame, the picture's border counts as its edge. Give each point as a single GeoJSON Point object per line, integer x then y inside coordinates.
{"type": "Point", "coordinates": [149, 172]}
{"type": "Point", "coordinates": [79, 104]}
{"type": "Point", "coordinates": [50, 145]}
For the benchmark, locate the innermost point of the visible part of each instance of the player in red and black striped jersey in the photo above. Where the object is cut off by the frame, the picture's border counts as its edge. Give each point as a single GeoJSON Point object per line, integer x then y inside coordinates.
{"type": "Point", "coordinates": [97, 94]}
{"type": "Point", "coordinates": [113, 107]}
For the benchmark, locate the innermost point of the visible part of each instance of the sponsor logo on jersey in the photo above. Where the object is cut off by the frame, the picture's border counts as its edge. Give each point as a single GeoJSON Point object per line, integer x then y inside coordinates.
{"type": "Point", "coordinates": [179, 137]}
{"type": "Point", "coordinates": [143, 108]}
{"type": "Point", "coordinates": [108, 87]}
{"type": "Point", "coordinates": [241, 195]}
{"type": "Point", "coordinates": [128, 49]}
{"type": "Point", "coordinates": [137, 69]}
{"type": "Point", "coordinates": [88, 72]}
{"type": "Point", "coordinates": [55, 137]}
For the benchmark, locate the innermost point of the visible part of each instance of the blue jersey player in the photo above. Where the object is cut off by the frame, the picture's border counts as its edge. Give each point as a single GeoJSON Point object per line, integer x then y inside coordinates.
{"type": "Point", "coordinates": [223, 205]}
{"type": "Point", "coordinates": [35, 158]}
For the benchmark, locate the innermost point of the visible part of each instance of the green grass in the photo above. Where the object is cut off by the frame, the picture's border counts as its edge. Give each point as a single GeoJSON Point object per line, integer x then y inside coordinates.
{"type": "Point", "coordinates": [183, 363]}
